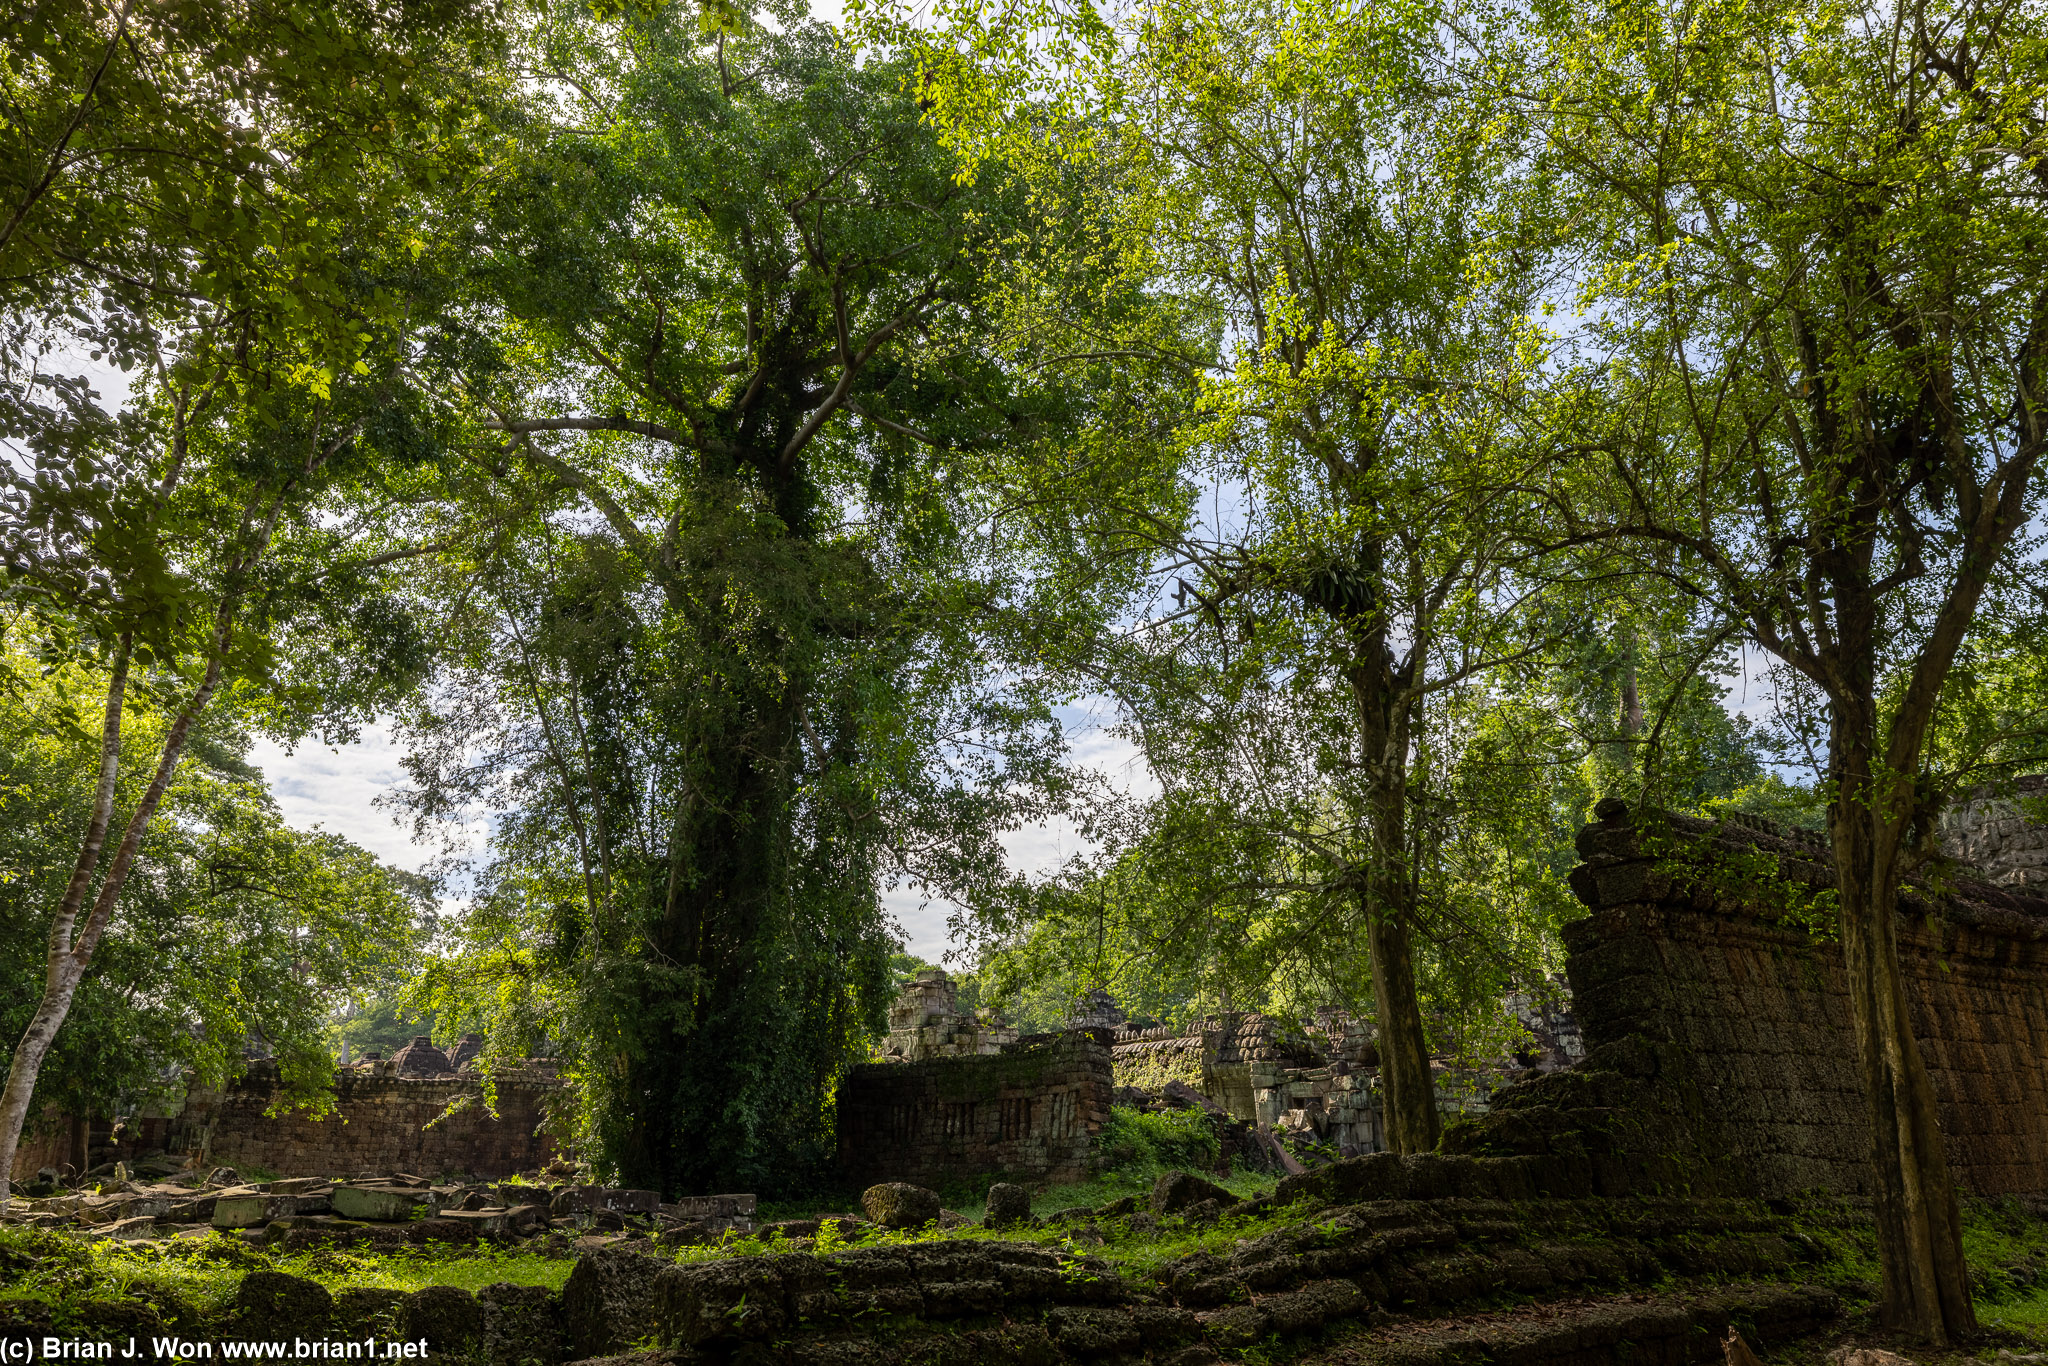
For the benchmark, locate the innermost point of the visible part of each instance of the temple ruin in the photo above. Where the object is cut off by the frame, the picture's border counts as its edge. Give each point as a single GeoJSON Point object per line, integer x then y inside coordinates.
{"type": "Point", "coordinates": [1703, 1042]}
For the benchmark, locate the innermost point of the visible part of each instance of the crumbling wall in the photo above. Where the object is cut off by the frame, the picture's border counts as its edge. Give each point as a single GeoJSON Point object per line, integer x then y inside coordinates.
{"type": "Point", "coordinates": [1993, 831]}
{"type": "Point", "coordinates": [1697, 981]}
{"type": "Point", "coordinates": [381, 1123]}
{"type": "Point", "coordinates": [1241, 1061]}
{"type": "Point", "coordinates": [1032, 1110]}
{"type": "Point", "coordinates": [926, 1021]}
{"type": "Point", "coordinates": [54, 1140]}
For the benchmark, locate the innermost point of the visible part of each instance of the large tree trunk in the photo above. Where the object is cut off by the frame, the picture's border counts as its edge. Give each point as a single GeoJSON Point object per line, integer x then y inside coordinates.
{"type": "Point", "coordinates": [1919, 1228]}
{"type": "Point", "coordinates": [1409, 1121]}
{"type": "Point", "coordinates": [692, 1069]}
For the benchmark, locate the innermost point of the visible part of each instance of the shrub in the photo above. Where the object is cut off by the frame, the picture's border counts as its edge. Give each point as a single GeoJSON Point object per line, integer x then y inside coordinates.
{"type": "Point", "coordinates": [1134, 1142]}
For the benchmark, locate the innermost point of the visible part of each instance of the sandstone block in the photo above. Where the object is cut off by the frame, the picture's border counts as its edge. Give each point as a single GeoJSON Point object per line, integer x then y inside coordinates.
{"type": "Point", "coordinates": [270, 1305]}
{"type": "Point", "coordinates": [448, 1317]}
{"type": "Point", "coordinates": [240, 1211]}
{"type": "Point", "coordinates": [1008, 1205]}
{"type": "Point", "coordinates": [1175, 1191]}
{"type": "Point", "coordinates": [378, 1204]}
{"type": "Point", "coordinates": [608, 1303]}
{"type": "Point", "coordinates": [898, 1204]}
{"type": "Point", "coordinates": [140, 1226]}
{"type": "Point", "coordinates": [486, 1222]}
{"type": "Point", "coordinates": [736, 1300]}
{"type": "Point", "coordinates": [581, 1199]}
{"type": "Point", "coordinates": [522, 1325]}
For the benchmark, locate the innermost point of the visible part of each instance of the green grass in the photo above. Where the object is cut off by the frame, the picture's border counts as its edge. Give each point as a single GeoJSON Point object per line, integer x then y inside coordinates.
{"type": "Point", "coordinates": [1136, 1258]}
{"type": "Point", "coordinates": [188, 1279]}
{"type": "Point", "coordinates": [2005, 1247]}
{"type": "Point", "coordinates": [1137, 1149]}
{"type": "Point", "coordinates": [471, 1269]}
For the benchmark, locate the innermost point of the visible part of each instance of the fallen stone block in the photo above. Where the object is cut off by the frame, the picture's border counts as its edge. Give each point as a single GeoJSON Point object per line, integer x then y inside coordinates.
{"type": "Point", "coordinates": [722, 1301]}
{"type": "Point", "coordinates": [1008, 1205]}
{"type": "Point", "coordinates": [447, 1317]}
{"type": "Point", "coordinates": [711, 1207]}
{"type": "Point", "coordinates": [270, 1305]}
{"type": "Point", "coordinates": [440, 1229]}
{"type": "Point", "coordinates": [608, 1303]}
{"type": "Point", "coordinates": [487, 1223]}
{"type": "Point", "coordinates": [522, 1325]}
{"type": "Point", "coordinates": [898, 1204]}
{"type": "Point", "coordinates": [378, 1204]}
{"type": "Point", "coordinates": [240, 1211]}
{"type": "Point", "coordinates": [1176, 1191]}
{"type": "Point", "coordinates": [141, 1226]}
{"type": "Point", "coordinates": [527, 1218]}
{"type": "Point", "coordinates": [582, 1199]}
{"type": "Point", "coordinates": [197, 1211]}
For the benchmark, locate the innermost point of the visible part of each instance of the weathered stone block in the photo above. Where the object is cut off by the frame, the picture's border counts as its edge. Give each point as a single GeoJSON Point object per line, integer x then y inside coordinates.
{"type": "Point", "coordinates": [446, 1316]}
{"type": "Point", "coordinates": [240, 1211]}
{"type": "Point", "coordinates": [1174, 1192]}
{"type": "Point", "coordinates": [1008, 1205]}
{"type": "Point", "coordinates": [898, 1204]}
{"type": "Point", "coordinates": [378, 1204]}
{"type": "Point", "coordinates": [609, 1303]}
{"type": "Point", "coordinates": [270, 1305]}
{"type": "Point", "coordinates": [522, 1324]}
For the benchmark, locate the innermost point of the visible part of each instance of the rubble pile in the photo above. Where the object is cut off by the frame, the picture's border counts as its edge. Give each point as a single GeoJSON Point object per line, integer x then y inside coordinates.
{"type": "Point", "coordinates": [375, 1211]}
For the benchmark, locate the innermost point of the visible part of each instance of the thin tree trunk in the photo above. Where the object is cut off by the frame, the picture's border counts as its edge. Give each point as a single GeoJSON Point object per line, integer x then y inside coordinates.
{"type": "Point", "coordinates": [60, 980]}
{"type": "Point", "coordinates": [1919, 1227]}
{"type": "Point", "coordinates": [1409, 1118]}
{"type": "Point", "coordinates": [70, 957]}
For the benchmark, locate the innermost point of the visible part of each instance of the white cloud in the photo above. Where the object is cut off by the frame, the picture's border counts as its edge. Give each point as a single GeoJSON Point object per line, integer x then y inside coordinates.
{"type": "Point", "coordinates": [337, 788]}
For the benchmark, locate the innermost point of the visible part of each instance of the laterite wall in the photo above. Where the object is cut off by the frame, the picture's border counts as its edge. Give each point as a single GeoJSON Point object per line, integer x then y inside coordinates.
{"type": "Point", "coordinates": [1032, 1110]}
{"type": "Point", "coordinates": [1762, 1009]}
{"type": "Point", "coordinates": [380, 1124]}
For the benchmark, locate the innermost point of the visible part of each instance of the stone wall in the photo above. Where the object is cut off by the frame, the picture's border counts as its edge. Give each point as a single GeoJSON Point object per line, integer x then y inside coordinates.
{"type": "Point", "coordinates": [1992, 831]}
{"type": "Point", "coordinates": [1241, 1061]}
{"type": "Point", "coordinates": [423, 1125]}
{"type": "Point", "coordinates": [926, 1021]}
{"type": "Point", "coordinates": [55, 1140]}
{"type": "Point", "coordinates": [1744, 1015]}
{"type": "Point", "coordinates": [1032, 1111]}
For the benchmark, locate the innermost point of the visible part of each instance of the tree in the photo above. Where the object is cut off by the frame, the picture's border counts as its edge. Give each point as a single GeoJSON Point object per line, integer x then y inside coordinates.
{"type": "Point", "coordinates": [208, 193]}
{"type": "Point", "coordinates": [1808, 242]}
{"type": "Point", "coordinates": [235, 929]}
{"type": "Point", "coordinates": [750, 659]}
{"type": "Point", "coordinates": [1291, 169]}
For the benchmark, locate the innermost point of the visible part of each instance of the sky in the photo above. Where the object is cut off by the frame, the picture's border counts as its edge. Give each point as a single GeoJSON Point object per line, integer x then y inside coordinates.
{"type": "Point", "coordinates": [337, 789]}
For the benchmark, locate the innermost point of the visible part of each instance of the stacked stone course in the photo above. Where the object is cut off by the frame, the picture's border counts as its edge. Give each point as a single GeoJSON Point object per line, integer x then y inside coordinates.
{"type": "Point", "coordinates": [381, 1123]}
{"type": "Point", "coordinates": [1032, 1110]}
{"type": "Point", "coordinates": [1722, 1046]}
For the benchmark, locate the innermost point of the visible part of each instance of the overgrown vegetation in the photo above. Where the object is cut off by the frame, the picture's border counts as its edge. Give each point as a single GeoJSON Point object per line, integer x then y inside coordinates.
{"type": "Point", "coordinates": [189, 1282]}
{"type": "Point", "coordinates": [730, 446]}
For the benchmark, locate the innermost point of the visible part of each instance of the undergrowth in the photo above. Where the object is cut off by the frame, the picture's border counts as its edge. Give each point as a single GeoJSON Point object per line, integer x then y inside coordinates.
{"type": "Point", "coordinates": [190, 1280]}
{"type": "Point", "coordinates": [1137, 1148]}
{"type": "Point", "coordinates": [198, 1277]}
